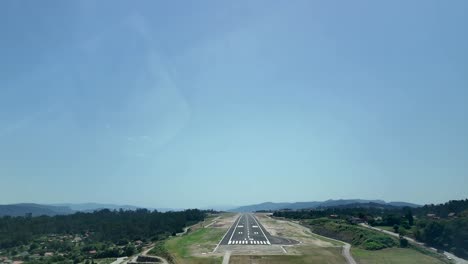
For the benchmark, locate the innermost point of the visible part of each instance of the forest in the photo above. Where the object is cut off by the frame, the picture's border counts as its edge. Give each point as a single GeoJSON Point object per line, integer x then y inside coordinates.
{"type": "Point", "coordinates": [99, 226]}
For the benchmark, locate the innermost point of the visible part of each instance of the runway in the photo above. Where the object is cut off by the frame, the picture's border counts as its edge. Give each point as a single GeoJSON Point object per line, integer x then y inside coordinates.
{"type": "Point", "coordinates": [247, 230]}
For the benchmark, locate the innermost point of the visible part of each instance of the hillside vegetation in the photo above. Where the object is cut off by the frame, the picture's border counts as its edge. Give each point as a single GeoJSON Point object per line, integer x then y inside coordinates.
{"type": "Point", "coordinates": [97, 235]}
{"type": "Point", "coordinates": [355, 235]}
{"type": "Point", "coordinates": [443, 226]}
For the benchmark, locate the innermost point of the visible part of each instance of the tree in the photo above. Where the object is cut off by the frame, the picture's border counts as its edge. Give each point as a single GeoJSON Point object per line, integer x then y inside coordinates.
{"type": "Point", "coordinates": [433, 233]}
{"type": "Point", "coordinates": [402, 231]}
{"type": "Point", "coordinates": [129, 250]}
{"type": "Point", "coordinates": [391, 219]}
{"type": "Point", "coordinates": [409, 217]}
{"type": "Point", "coordinates": [396, 227]}
{"type": "Point", "coordinates": [403, 242]}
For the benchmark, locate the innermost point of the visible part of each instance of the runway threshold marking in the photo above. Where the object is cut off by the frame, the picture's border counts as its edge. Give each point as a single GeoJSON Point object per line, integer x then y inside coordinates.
{"type": "Point", "coordinates": [261, 229]}
{"type": "Point", "coordinates": [234, 231]}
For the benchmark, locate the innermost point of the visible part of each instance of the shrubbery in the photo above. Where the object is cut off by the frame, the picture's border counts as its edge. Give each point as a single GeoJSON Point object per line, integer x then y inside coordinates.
{"type": "Point", "coordinates": [355, 235]}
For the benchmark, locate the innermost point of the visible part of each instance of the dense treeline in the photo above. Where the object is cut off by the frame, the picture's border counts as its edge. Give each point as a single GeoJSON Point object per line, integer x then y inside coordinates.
{"type": "Point", "coordinates": [104, 225]}
{"type": "Point", "coordinates": [444, 226]}
{"type": "Point", "coordinates": [342, 213]}
{"type": "Point", "coordinates": [443, 210]}
{"type": "Point", "coordinates": [447, 234]}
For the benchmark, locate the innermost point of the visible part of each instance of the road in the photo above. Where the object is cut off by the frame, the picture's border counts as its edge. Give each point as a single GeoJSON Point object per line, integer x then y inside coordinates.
{"type": "Point", "coordinates": [449, 255]}
{"type": "Point", "coordinates": [347, 254]}
{"type": "Point", "coordinates": [119, 260]}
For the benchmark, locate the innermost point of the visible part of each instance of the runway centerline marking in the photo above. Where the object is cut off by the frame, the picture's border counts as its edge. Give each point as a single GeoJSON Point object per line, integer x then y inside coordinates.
{"type": "Point", "coordinates": [261, 229]}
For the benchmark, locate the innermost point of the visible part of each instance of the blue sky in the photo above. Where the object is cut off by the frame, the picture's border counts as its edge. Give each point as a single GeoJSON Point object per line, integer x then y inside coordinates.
{"type": "Point", "coordinates": [201, 103]}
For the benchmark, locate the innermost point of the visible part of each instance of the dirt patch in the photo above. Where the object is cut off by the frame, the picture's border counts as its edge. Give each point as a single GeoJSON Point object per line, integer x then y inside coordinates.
{"type": "Point", "coordinates": [295, 231]}
{"type": "Point", "coordinates": [251, 250]}
{"type": "Point", "coordinates": [316, 255]}
{"type": "Point", "coordinates": [225, 221]}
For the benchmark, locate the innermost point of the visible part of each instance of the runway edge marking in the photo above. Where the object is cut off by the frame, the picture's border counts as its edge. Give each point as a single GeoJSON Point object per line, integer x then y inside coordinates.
{"type": "Point", "coordinates": [235, 226]}
{"type": "Point", "coordinates": [216, 248]}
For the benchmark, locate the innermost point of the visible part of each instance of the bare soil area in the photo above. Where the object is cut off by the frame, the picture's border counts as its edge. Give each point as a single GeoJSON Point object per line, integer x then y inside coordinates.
{"type": "Point", "coordinates": [288, 229]}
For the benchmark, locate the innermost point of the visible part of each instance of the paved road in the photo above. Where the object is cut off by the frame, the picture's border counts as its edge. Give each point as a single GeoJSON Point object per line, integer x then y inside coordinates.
{"type": "Point", "coordinates": [226, 257]}
{"type": "Point", "coordinates": [447, 254]}
{"type": "Point", "coordinates": [347, 254]}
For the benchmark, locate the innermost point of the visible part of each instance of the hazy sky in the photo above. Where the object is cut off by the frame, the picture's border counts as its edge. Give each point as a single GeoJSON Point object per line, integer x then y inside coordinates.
{"type": "Point", "coordinates": [199, 103]}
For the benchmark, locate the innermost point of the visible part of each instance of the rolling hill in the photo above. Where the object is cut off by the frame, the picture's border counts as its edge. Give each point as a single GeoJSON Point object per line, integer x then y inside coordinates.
{"type": "Point", "coordinates": [34, 209]}
{"type": "Point", "coordinates": [270, 206]}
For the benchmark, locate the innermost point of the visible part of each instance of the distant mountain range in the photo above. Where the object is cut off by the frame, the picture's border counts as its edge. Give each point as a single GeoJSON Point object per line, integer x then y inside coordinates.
{"type": "Point", "coordinates": [34, 209]}
{"type": "Point", "coordinates": [269, 206]}
{"type": "Point", "coordinates": [84, 207]}
{"type": "Point", "coordinates": [22, 209]}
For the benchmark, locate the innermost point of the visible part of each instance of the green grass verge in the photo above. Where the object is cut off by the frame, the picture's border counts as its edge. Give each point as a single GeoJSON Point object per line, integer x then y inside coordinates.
{"type": "Point", "coordinates": [181, 249]}
{"type": "Point", "coordinates": [393, 256]}
{"type": "Point", "coordinates": [160, 250]}
{"type": "Point", "coordinates": [203, 240]}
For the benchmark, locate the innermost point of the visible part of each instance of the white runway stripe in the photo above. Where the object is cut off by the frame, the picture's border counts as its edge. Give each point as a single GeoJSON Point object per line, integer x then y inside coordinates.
{"type": "Point", "coordinates": [246, 242]}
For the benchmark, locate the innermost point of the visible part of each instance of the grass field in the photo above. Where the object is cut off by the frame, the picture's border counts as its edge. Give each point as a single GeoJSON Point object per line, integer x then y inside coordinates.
{"type": "Point", "coordinates": [203, 240]}
{"type": "Point", "coordinates": [312, 255]}
{"type": "Point", "coordinates": [392, 256]}
{"type": "Point", "coordinates": [186, 248]}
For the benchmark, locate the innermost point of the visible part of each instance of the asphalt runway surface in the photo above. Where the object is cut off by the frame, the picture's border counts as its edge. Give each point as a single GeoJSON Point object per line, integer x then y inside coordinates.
{"type": "Point", "coordinates": [247, 230]}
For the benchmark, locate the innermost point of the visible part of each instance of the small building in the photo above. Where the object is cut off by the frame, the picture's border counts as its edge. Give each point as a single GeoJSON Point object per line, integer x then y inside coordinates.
{"type": "Point", "coordinates": [92, 252]}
